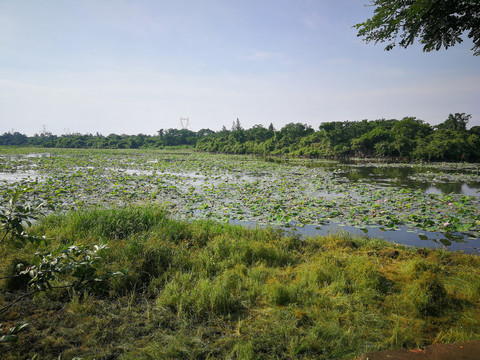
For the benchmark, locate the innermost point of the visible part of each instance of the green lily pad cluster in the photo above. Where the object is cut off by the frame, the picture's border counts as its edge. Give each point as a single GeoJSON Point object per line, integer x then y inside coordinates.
{"type": "Point", "coordinates": [285, 192]}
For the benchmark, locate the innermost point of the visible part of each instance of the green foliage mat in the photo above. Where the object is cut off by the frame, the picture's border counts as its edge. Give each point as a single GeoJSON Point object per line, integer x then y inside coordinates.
{"type": "Point", "coordinates": [293, 192]}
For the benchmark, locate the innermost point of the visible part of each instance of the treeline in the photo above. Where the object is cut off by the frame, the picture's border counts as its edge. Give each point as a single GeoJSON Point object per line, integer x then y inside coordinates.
{"type": "Point", "coordinates": [408, 138]}
{"type": "Point", "coordinates": [170, 137]}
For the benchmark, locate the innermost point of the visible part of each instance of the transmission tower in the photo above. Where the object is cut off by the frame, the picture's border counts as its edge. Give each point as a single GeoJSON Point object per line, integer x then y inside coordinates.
{"type": "Point", "coordinates": [184, 123]}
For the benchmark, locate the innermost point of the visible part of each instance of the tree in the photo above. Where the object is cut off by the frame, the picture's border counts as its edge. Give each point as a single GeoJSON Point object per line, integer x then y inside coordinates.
{"type": "Point", "coordinates": [475, 130]}
{"type": "Point", "coordinates": [405, 134]}
{"type": "Point", "coordinates": [436, 23]}
{"type": "Point", "coordinates": [236, 126]}
{"type": "Point", "coordinates": [13, 139]}
{"type": "Point", "coordinates": [367, 143]}
{"type": "Point", "coordinates": [292, 132]}
{"type": "Point", "coordinates": [444, 145]}
{"type": "Point", "coordinates": [258, 134]}
{"type": "Point", "coordinates": [457, 122]}
{"type": "Point", "coordinates": [204, 132]}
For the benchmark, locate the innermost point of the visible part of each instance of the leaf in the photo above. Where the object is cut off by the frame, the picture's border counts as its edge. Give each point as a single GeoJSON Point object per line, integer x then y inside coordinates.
{"type": "Point", "coordinates": [12, 333]}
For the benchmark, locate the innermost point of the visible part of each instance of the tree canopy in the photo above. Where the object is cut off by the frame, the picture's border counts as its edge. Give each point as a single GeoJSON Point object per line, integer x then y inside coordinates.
{"type": "Point", "coordinates": [409, 138]}
{"type": "Point", "coordinates": [436, 23]}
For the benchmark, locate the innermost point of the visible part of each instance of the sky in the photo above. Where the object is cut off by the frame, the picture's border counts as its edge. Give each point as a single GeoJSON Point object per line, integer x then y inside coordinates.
{"type": "Point", "coordinates": [137, 66]}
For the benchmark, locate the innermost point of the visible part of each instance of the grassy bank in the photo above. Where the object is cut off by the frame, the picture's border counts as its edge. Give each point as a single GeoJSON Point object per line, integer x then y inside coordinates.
{"type": "Point", "coordinates": [204, 290]}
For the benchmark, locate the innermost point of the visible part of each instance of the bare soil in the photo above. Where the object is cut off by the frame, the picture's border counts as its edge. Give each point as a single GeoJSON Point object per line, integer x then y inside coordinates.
{"type": "Point", "coordinates": [459, 351]}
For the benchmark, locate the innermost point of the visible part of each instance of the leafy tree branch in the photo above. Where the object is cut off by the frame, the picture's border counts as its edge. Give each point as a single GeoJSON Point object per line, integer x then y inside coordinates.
{"type": "Point", "coordinates": [436, 23]}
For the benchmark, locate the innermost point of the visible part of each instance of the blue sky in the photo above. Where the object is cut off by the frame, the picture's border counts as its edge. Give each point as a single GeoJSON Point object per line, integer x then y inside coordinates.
{"type": "Point", "coordinates": [125, 66]}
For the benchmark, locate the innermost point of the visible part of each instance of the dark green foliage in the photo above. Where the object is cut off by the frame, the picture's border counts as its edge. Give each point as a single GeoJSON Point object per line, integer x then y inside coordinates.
{"type": "Point", "coordinates": [169, 137]}
{"type": "Point", "coordinates": [16, 215]}
{"type": "Point", "coordinates": [405, 135]}
{"type": "Point", "coordinates": [14, 139]}
{"type": "Point", "coordinates": [436, 23]}
{"type": "Point", "coordinates": [457, 122]}
{"type": "Point", "coordinates": [445, 145]}
{"type": "Point", "coordinates": [409, 138]}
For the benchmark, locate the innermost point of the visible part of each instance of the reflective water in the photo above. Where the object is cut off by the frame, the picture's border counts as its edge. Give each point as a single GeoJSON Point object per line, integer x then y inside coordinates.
{"type": "Point", "coordinates": [19, 175]}
{"type": "Point", "coordinates": [403, 235]}
{"type": "Point", "coordinates": [440, 179]}
{"type": "Point", "coordinates": [430, 178]}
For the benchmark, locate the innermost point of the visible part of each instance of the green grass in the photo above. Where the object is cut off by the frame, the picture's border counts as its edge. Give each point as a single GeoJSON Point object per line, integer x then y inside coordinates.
{"type": "Point", "coordinates": [204, 290]}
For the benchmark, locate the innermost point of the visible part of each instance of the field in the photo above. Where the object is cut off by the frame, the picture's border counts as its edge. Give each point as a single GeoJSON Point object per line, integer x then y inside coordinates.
{"type": "Point", "coordinates": [194, 285]}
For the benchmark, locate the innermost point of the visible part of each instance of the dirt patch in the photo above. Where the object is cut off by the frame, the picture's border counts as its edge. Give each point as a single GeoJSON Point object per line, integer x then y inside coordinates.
{"type": "Point", "coordinates": [459, 351]}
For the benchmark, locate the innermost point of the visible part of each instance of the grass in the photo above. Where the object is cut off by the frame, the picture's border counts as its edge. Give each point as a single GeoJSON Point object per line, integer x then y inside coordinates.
{"type": "Point", "coordinates": [205, 290]}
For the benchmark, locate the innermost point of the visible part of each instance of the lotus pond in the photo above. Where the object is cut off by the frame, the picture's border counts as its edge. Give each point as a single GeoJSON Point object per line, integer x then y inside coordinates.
{"type": "Point", "coordinates": [425, 204]}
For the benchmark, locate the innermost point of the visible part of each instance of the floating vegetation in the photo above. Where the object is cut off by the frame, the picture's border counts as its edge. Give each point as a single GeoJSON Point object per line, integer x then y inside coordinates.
{"type": "Point", "coordinates": [440, 197]}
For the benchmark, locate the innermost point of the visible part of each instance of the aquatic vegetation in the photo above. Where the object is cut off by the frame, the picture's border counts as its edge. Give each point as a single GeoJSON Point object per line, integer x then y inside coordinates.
{"type": "Point", "coordinates": [421, 197]}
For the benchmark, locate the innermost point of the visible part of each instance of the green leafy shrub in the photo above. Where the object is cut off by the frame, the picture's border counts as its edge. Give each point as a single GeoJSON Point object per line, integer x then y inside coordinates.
{"type": "Point", "coordinates": [76, 263]}
{"type": "Point", "coordinates": [16, 215]}
{"type": "Point", "coordinates": [69, 266]}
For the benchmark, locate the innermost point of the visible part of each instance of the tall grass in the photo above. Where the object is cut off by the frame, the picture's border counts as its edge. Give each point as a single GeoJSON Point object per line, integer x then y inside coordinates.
{"type": "Point", "coordinates": [208, 290]}
{"type": "Point", "coordinates": [105, 225]}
